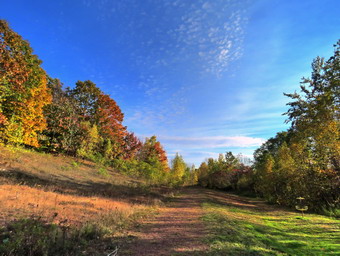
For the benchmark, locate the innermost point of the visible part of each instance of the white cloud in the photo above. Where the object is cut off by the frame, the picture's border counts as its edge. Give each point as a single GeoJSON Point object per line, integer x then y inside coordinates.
{"type": "Point", "coordinates": [218, 41]}
{"type": "Point", "coordinates": [211, 141]}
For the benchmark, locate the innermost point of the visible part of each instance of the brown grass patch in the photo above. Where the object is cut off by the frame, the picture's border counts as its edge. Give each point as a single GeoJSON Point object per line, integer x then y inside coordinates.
{"type": "Point", "coordinates": [73, 176]}
{"type": "Point", "coordinates": [18, 201]}
{"type": "Point", "coordinates": [57, 168]}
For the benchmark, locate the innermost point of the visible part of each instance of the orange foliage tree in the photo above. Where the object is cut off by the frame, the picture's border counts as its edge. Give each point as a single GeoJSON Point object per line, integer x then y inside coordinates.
{"type": "Point", "coordinates": [110, 117]}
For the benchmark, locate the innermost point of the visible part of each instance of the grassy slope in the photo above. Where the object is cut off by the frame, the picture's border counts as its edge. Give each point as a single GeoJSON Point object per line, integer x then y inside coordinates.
{"type": "Point", "coordinates": [62, 171]}
{"type": "Point", "coordinates": [70, 192]}
{"type": "Point", "coordinates": [242, 230]}
{"type": "Point", "coordinates": [69, 175]}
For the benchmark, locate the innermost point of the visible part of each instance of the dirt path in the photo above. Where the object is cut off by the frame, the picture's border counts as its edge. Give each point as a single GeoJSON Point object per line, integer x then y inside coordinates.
{"type": "Point", "coordinates": [176, 230]}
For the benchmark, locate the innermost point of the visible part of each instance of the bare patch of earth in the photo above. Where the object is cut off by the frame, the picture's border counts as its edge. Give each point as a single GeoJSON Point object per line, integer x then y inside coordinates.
{"type": "Point", "coordinates": [176, 230]}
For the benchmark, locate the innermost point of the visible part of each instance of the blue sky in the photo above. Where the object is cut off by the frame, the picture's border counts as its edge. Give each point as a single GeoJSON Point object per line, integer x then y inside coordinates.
{"type": "Point", "coordinates": [205, 76]}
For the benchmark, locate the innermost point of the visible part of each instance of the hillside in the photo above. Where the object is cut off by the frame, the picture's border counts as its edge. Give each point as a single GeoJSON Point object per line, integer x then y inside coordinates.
{"type": "Point", "coordinates": [73, 194]}
{"type": "Point", "coordinates": [65, 174]}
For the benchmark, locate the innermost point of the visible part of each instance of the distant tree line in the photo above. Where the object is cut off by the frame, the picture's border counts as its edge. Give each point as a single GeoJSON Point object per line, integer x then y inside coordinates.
{"type": "Point", "coordinates": [37, 111]}
{"type": "Point", "coordinates": [303, 161]}
{"type": "Point", "coordinates": [226, 172]}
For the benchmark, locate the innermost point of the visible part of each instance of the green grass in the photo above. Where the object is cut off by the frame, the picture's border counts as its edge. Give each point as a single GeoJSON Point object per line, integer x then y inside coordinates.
{"type": "Point", "coordinates": [236, 231]}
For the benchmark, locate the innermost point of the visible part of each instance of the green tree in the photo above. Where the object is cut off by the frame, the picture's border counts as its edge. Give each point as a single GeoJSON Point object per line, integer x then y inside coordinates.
{"type": "Point", "coordinates": [203, 173]}
{"type": "Point", "coordinates": [219, 173]}
{"type": "Point", "coordinates": [64, 132]}
{"type": "Point", "coordinates": [231, 161]}
{"type": "Point", "coordinates": [315, 118]}
{"type": "Point", "coordinates": [90, 141]}
{"type": "Point", "coordinates": [315, 112]}
{"type": "Point", "coordinates": [154, 160]}
{"type": "Point", "coordinates": [86, 94]}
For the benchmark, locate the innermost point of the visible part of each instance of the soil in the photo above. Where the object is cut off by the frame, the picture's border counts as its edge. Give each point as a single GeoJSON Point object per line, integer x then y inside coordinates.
{"type": "Point", "coordinates": [176, 230]}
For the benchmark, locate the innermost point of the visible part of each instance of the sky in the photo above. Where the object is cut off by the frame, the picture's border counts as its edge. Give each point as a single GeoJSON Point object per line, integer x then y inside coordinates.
{"type": "Point", "coordinates": [204, 76]}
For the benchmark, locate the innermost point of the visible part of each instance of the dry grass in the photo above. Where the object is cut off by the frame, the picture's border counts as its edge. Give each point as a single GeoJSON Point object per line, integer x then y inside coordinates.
{"type": "Point", "coordinates": [92, 207]}
{"type": "Point", "coordinates": [57, 168]}
{"type": "Point", "coordinates": [67, 190]}
{"type": "Point", "coordinates": [92, 211]}
{"type": "Point", "coordinates": [69, 175]}
{"type": "Point", "coordinates": [18, 201]}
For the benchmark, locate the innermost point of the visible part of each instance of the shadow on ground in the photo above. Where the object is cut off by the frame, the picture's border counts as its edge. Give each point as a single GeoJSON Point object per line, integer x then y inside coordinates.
{"type": "Point", "coordinates": [134, 192]}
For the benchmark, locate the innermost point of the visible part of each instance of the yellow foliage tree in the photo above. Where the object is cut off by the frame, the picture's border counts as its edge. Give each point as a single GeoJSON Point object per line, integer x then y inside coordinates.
{"type": "Point", "coordinates": [23, 92]}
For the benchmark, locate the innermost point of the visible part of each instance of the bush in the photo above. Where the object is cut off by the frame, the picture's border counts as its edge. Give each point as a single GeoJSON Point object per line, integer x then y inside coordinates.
{"type": "Point", "coordinates": [153, 173]}
{"type": "Point", "coordinates": [335, 212]}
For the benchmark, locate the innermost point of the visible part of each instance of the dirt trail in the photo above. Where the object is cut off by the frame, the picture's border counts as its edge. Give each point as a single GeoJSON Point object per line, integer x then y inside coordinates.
{"type": "Point", "coordinates": [176, 230]}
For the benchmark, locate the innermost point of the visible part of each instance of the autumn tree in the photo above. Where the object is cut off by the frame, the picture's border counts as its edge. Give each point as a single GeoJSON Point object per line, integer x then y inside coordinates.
{"type": "Point", "coordinates": [132, 145]}
{"type": "Point", "coordinates": [190, 175]}
{"type": "Point", "coordinates": [89, 146]}
{"type": "Point", "coordinates": [218, 173]}
{"type": "Point", "coordinates": [109, 119]}
{"type": "Point", "coordinates": [203, 173]}
{"type": "Point", "coordinates": [304, 162]}
{"type": "Point", "coordinates": [23, 91]}
{"type": "Point", "coordinates": [178, 168]}
{"type": "Point", "coordinates": [36, 110]}
{"type": "Point", "coordinates": [153, 151]}
{"type": "Point", "coordinates": [315, 118]}
{"type": "Point", "coordinates": [102, 111]}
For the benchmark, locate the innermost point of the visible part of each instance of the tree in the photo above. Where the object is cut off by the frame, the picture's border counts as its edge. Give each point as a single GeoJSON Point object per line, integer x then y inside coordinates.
{"type": "Point", "coordinates": [64, 131]}
{"type": "Point", "coordinates": [220, 173]}
{"type": "Point", "coordinates": [315, 118]}
{"type": "Point", "coordinates": [178, 168]}
{"type": "Point", "coordinates": [132, 145]}
{"type": "Point", "coordinates": [86, 94]}
{"type": "Point", "coordinates": [315, 113]}
{"type": "Point", "coordinates": [109, 118]}
{"type": "Point", "coordinates": [203, 173]}
{"type": "Point", "coordinates": [304, 162]}
{"type": "Point", "coordinates": [230, 161]}
{"type": "Point", "coordinates": [152, 152]}
{"type": "Point", "coordinates": [193, 175]}
{"type": "Point", "coordinates": [23, 91]}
